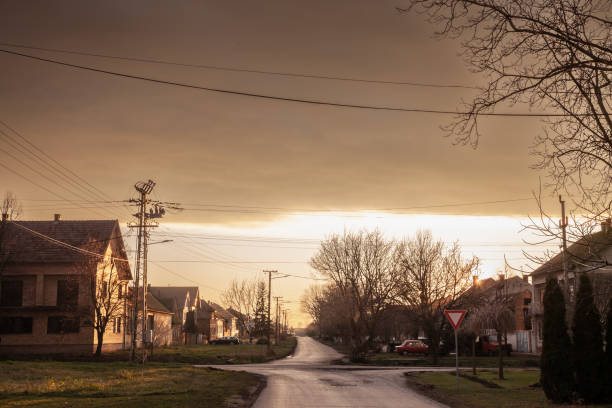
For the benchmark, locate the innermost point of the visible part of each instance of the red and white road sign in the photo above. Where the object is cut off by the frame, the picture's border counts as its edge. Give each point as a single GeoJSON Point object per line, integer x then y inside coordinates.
{"type": "Point", "coordinates": [455, 317]}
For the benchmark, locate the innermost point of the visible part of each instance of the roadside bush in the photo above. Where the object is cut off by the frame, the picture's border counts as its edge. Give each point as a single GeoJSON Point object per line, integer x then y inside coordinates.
{"type": "Point", "coordinates": [588, 352]}
{"type": "Point", "coordinates": [557, 377]}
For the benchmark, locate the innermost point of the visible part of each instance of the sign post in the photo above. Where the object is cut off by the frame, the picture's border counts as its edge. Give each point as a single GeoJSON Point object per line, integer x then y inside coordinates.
{"type": "Point", "coordinates": [455, 317]}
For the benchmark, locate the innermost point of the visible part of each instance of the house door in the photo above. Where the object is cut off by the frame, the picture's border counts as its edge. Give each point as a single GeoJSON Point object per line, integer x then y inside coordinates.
{"type": "Point", "coordinates": [522, 341]}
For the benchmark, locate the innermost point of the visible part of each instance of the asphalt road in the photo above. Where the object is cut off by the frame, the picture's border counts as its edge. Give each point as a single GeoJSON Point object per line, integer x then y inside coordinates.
{"type": "Point", "coordinates": [307, 379]}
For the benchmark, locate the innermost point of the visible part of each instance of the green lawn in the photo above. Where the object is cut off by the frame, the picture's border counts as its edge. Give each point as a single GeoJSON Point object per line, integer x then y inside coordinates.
{"type": "Point", "coordinates": [516, 390]}
{"type": "Point", "coordinates": [223, 353]}
{"type": "Point", "coordinates": [167, 380]}
{"type": "Point", "coordinates": [118, 384]}
{"type": "Point", "coordinates": [189, 354]}
{"type": "Point", "coordinates": [514, 360]}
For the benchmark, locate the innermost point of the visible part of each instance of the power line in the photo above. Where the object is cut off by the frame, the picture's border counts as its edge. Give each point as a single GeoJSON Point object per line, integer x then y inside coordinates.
{"type": "Point", "coordinates": [247, 70]}
{"type": "Point", "coordinates": [51, 163]}
{"type": "Point", "coordinates": [288, 99]}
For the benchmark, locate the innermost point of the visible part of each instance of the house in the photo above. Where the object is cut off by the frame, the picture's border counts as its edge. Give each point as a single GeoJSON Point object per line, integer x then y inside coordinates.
{"type": "Point", "coordinates": [516, 292]}
{"type": "Point", "coordinates": [591, 254]}
{"type": "Point", "coordinates": [54, 274]}
{"type": "Point", "coordinates": [180, 300]}
{"type": "Point", "coordinates": [227, 323]}
{"type": "Point", "coordinates": [159, 321]}
{"type": "Point", "coordinates": [243, 323]}
{"type": "Point", "coordinates": [207, 322]}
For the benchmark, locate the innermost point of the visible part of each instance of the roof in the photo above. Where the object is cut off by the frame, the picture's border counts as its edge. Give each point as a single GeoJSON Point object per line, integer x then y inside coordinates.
{"type": "Point", "coordinates": [168, 294]}
{"type": "Point", "coordinates": [155, 305]}
{"type": "Point", "coordinates": [221, 312]}
{"type": "Point", "coordinates": [36, 241]}
{"type": "Point", "coordinates": [586, 248]}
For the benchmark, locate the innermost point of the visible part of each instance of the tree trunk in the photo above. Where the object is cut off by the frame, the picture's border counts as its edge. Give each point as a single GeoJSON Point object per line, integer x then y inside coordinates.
{"type": "Point", "coordinates": [474, 356]}
{"type": "Point", "coordinates": [100, 334]}
{"type": "Point", "coordinates": [501, 356]}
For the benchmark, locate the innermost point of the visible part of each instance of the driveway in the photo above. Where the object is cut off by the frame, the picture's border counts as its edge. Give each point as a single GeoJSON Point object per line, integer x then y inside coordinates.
{"type": "Point", "coordinates": [307, 379]}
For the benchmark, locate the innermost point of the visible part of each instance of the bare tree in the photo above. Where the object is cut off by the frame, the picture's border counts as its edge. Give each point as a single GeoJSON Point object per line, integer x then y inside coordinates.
{"type": "Point", "coordinates": [241, 296]}
{"type": "Point", "coordinates": [499, 315]}
{"type": "Point", "coordinates": [104, 291]}
{"type": "Point", "coordinates": [312, 303]}
{"type": "Point", "coordinates": [551, 55]}
{"type": "Point", "coordinates": [10, 209]}
{"type": "Point", "coordinates": [361, 267]}
{"type": "Point", "coordinates": [433, 277]}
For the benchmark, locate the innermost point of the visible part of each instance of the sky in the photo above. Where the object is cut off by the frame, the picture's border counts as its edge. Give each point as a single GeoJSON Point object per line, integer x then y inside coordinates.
{"type": "Point", "coordinates": [278, 175]}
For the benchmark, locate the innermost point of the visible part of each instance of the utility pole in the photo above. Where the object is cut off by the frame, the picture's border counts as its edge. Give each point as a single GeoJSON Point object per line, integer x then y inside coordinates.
{"type": "Point", "coordinates": [145, 217]}
{"type": "Point", "coordinates": [563, 224]}
{"type": "Point", "coordinates": [277, 328]}
{"type": "Point", "coordinates": [269, 272]}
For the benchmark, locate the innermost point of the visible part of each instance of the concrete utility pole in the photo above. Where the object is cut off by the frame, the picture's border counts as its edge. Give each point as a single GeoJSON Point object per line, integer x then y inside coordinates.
{"type": "Point", "coordinates": [277, 328]}
{"type": "Point", "coordinates": [145, 217]}
{"type": "Point", "coordinates": [269, 272]}
{"type": "Point", "coordinates": [563, 224]}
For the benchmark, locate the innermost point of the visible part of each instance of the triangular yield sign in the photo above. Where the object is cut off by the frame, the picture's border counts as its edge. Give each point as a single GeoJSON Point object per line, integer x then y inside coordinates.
{"type": "Point", "coordinates": [455, 317]}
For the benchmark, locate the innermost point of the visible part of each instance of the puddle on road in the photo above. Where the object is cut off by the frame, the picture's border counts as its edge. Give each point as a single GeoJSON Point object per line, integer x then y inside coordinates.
{"type": "Point", "coordinates": [336, 383]}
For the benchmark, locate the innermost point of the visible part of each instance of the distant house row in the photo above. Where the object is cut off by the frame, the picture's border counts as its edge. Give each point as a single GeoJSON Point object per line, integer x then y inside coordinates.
{"type": "Point", "coordinates": [54, 275]}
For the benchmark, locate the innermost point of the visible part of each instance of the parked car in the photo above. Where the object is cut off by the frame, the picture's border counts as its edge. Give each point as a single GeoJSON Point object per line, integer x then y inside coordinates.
{"type": "Point", "coordinates": [486, 346]}
{"type": "Point", "coordinates": [225, 340]}
{"type": "Point", "coordinates": [412, 347]}
{"type": "Point", "coordinates": [443, 347]}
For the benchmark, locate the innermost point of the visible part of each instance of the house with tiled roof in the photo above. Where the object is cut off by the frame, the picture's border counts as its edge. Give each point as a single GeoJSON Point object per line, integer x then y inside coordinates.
{"type": "Point", "coordinates": [180, 300]}
{"type": "Point", "coordinates": [159, 322]}
{"type": "Point", "coordinates": [227, 323]}
{"type": "Point", "coordinates": [52, 275]}
{"type": "Point", "coordinates": [591, 254]}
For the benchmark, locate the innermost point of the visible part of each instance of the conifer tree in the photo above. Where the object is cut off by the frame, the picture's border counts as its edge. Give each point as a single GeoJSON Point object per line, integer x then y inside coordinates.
{"type": "Point", "coordinates": [261, 314]}
{"type": "Point", "coordinates": [556, 370]}
{"type": "Point", "coordinates": [588, 352]}
{"type": "Point", "coordinates": [607, 363]}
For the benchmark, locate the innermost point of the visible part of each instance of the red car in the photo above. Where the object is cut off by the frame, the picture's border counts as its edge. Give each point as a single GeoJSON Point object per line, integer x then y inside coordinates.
{"type": "Point", "coordinates": [412, 347]}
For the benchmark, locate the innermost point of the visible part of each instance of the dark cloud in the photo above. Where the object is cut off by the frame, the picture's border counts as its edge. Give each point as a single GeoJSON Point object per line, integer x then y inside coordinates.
{"type": "Point", "coordinates": [205, 147]}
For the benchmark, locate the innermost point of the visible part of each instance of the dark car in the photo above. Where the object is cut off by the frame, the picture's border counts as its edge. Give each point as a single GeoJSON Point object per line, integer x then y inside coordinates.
{"type": "Point", "coordinates": [412, 347]}
{"type": "Point", "coordinates": [225, 340]}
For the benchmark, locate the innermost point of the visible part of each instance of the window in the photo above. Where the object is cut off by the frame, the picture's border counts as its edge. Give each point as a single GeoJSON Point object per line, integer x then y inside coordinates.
{"type": "Point", "coordinates": [117, 325]}
{"type": "Point", "coordinates": [104, 289]}
{"type": "Point", "coordinates": [15, 325]}
{"type": "Point", "coordinates": [120, 291]}
{"type": "Point", "coordinates": [67, 293]}
{"type": "Point", "coordinates": [526, 301]}
{"type": "Point", "coordinates": [12, 293]}
{"type": "Point", "coordinates": [62, 324]}
{"type": "Point", "coordinates": [526, 318]}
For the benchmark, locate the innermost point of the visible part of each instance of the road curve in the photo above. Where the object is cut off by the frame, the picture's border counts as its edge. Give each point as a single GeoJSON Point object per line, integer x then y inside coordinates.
{"type": "Point", "coordinates": [307, 380]}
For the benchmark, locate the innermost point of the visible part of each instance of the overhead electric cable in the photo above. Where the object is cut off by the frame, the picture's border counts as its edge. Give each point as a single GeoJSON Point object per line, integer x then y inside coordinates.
{"type": "Point", "coordinates": [288, 99]}
{"type": "Point", "coordinates": [233, 69]}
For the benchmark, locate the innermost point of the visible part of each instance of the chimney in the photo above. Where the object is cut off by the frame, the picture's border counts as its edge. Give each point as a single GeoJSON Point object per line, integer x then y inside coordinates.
{"type": "Point", "coordinates": [606, 226]}
{"type": "Point", "coordinates": [57, 217]}
{"type": "Point", "coordinates": [526, 278]}
{"type": "Point", "coordinates": [4, 216]}
{"type": "Point", "coordinates": [501, 276]}
{"type": "Point", "coordinates": [475, 280]}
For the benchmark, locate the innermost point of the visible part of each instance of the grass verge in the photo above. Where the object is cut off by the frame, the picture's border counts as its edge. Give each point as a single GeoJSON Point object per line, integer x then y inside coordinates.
{"type": "Point", "coordinates": [119, 384]}
{"type": "Point", "coordinates": [188, 354]}
{"type": "Point", "coordinates": [516, 391]}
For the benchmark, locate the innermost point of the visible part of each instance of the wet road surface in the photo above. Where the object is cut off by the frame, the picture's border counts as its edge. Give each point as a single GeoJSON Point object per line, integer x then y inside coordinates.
{"type": "Point", "coordinates": [307, 379]}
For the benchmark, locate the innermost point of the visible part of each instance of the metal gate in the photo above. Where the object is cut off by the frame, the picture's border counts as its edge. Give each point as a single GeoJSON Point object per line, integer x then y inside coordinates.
{"type": "Point", "coordinates": [522, 341]}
